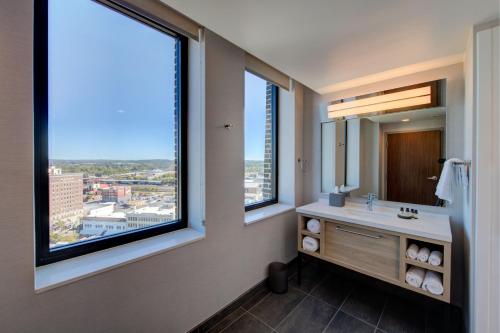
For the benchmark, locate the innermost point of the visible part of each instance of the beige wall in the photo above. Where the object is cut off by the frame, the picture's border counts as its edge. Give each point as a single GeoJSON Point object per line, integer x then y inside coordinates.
{"type": "Point", "coordinates": [170, 292]}
{"type": "Point", "coordinates": [454, 102]}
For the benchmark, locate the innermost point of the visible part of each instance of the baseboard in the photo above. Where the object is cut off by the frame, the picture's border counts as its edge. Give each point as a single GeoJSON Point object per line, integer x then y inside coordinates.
{"type": "Point", "coordinates": [245, 297]}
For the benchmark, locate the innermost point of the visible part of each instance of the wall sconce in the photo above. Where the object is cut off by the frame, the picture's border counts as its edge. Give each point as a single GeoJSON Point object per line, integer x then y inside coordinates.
{"type": "Point", "coordinates": [419, 96]}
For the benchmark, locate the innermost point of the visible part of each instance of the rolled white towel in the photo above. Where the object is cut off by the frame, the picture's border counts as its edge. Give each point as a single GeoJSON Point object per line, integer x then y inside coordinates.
{"type": "Point", "coordinates": [415, 276]}
{"type": "Point", "coordinates": [313, 226]}
{"type": "Point", "coordinates": [435, 258]}
{"type": "Point", "coordinates": [423, 254]}
{"type": "Point", "coordinates": [433, 283]}
{"type": "Point", "coordinates": [412, 251]}
{"type": "Point", "coordinates": [310, 244]}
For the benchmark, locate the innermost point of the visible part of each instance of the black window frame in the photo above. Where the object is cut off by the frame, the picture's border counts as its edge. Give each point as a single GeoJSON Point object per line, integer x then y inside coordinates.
{"type": "Point", "coordinates": [275, 145]}
{"type": "Point", "coordinates": [45, 255]}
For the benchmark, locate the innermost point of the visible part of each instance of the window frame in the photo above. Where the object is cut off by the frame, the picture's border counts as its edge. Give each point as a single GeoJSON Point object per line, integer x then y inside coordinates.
{"type": "Point", "coordinates": [44, 255]}
{"type": "Point", "coordinates": [275, 145]}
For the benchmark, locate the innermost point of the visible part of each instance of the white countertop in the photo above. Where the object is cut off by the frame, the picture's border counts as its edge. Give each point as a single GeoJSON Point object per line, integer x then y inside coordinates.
{"type": "Point", "coordinates": [428, 225]}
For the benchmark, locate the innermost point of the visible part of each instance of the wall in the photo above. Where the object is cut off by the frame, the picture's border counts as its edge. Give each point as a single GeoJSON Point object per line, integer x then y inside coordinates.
{"type": "Point", "coordinates": [454, 89]}
{"type": "Point", "coordinates": [353, 153]}
{"type": "Point", "coordinates": [169, 292]}
{"type": "Point", "coordinates": [486, 196]}
{"type": "Point", "coordinates": [369, 161]}
{"type": "Point", "coordinates": [314, 114]}
{"type": "Point", "coordinates": [468, 148]}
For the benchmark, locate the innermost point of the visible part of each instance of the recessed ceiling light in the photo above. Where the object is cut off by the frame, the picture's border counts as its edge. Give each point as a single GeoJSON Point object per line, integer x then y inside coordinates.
{"type": "Point", "coordinates": [405, 120]}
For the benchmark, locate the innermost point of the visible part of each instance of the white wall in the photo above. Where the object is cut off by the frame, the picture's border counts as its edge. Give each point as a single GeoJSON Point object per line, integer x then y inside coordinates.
{"type": "Point", "coordinates": [170, 292]}
{"type": "Point", "coordinates": [353, 153]}
{"type": "Point", "coordinates": [485, 244]}
{"type": "Point", "coordinates": [454, 89]}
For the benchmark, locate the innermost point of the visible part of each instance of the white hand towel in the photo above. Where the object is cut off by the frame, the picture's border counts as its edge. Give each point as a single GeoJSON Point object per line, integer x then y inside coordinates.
{"type": "Point", "coordinates": [433, 283]}
{"type": "Point", "coordinates": [423, 254]}
{"type": "Point", "coordinates": [310, 244]}
{"type": "Point", "coordinates": [313, 226]}
{"type": "Point", "coordinates": [435, 258]}
{"type": "Point", "coordinates": [415, 276]}
{"type": "Point", "coordinates": [412, 251]}
{"type": "Point", "coordinates": [444, 189]}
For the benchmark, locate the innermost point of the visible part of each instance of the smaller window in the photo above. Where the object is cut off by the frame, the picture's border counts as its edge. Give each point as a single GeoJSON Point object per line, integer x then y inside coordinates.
{"type": "Point", "coordinates": [261, 142]}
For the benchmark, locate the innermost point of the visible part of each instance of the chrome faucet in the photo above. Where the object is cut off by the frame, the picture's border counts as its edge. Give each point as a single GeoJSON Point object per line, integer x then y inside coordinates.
{"type": "Point", "coordinates": [371, 197]}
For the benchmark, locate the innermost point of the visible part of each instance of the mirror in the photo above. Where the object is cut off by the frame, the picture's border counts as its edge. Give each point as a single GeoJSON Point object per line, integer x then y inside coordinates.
{"type": "Point", "coordinates": [398, 156]}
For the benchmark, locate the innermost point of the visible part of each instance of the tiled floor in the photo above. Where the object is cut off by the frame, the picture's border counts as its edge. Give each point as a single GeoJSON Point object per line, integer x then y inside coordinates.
{"type": "Point", "coordinates": [331, 300]}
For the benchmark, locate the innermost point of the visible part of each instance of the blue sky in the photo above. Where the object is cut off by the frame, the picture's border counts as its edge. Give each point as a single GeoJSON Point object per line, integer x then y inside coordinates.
{"type": "Point", "coordinates": [111, 87]}
{"type": "Point", "coordinates": [255, 117]}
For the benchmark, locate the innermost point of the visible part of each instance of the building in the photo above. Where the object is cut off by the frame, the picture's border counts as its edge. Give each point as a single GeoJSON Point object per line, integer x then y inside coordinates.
{"type": "Point", "coordinates": [103, 220]}
{"type": "Point", "coordinates": [117, 193]}
{"type": "Point", "coordinates": [149, 216]}
{"type": "Point", "coordinates": [65, 197]}
{"type": "Point", "coordinates": [103, 225]}
{"type": "Point", "coordinates": [253, 190]}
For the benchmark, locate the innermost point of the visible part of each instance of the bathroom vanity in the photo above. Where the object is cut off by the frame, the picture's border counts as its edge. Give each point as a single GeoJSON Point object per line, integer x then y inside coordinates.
{"type": "Point", "coordinates": [375, 242]}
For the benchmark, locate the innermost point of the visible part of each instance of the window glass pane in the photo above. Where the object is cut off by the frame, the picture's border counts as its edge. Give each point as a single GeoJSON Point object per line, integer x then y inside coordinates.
{"type": "Point", "coordinates": [112, 123]}
{"type": "Point", "coordinates": [259, 162]}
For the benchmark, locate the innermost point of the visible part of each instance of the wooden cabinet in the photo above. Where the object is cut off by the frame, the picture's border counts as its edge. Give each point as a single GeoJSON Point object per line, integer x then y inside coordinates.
{"type": "Point", "coordinates": [370, 251]}
{"type": "Point", "coordinates": [374, 252]}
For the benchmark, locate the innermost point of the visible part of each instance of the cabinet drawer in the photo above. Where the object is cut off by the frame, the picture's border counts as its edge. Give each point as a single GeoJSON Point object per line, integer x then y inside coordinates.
{"type": "Point", "coordinates": [366, 250]}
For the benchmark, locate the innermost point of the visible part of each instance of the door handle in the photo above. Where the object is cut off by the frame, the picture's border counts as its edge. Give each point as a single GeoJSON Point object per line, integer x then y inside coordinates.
{"type": "Point", "coordinates": [357, 233]}
{"type": "Point", "coordinates": [433, 178]}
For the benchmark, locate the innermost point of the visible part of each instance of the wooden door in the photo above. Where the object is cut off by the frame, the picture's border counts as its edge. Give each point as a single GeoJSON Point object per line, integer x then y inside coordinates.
{"type": "Point", "coordinates": [413, 166]}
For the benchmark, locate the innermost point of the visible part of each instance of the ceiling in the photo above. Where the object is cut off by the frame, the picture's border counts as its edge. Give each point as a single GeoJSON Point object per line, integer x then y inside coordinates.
{"type": "Point", "coordinates": [330, 45]}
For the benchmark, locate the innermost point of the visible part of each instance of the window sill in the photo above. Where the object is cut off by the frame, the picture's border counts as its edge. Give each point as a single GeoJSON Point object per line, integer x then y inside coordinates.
{"type": "Point", "coordinates": [263, 213]}
{"type": "Point", "coordinates": [71, 270]}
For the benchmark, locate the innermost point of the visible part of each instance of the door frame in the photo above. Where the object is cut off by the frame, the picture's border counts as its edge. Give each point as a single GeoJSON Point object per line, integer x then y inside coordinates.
{"type": "Point", "coordinates": [383, 151]}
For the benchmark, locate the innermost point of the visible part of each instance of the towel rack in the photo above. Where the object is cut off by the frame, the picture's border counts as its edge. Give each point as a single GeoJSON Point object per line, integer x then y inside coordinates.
{"type": "Point", "coordinates": [467, 165]}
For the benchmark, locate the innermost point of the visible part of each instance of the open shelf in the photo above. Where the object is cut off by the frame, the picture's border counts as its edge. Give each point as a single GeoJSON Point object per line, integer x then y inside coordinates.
{"type": "Point", "coordinates": [310, 234]}
{"type": "Point", "coordinates": [424, 292]}
{"type": "Point", "coordinates": [425, 265]}
{"type": "Point", "coordinates": [419, 289]}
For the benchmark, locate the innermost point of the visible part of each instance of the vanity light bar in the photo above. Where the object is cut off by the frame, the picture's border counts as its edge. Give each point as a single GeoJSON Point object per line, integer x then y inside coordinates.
{"type": "Point", "coordinates": [401, 99]}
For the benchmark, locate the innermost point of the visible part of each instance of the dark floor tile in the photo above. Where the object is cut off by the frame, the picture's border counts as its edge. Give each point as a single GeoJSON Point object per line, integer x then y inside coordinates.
{"type": "Point", "coordinates": [226, 321]}
{"type": "Point", "coordinates": [275, 307]}
{"type": "Point", "coordinates": [312, 274]}
{"type": "Point", "coordinates": [365, 303]}
{"type": "Point", "coordinates": [333, 290]}
{"type": "Point", "coordinates": [217, 318]}
{"type": "Point", "coordinates": [443, 317]}
{"type": "Point", "coordinates": [256, 298]}
{"type": "Point", "coordinates": [312, 315]}
{"type": "Point", "coordinates": [343, 323]}
{"type": "Point", "coordinates": [401, 315]}
{"type": "Point", "coordinates": [247, 324]}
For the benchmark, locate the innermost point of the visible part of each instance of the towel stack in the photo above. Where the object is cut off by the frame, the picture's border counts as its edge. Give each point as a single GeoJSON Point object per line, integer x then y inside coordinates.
{"type": "Point", "coordinates": [310, 244]}
{"type": "Point", "coordinates": [417, 277]}
{"type": "Point", "coordinates": [313, 226]}
{"type": "Point", "coordinates": [434, 258]}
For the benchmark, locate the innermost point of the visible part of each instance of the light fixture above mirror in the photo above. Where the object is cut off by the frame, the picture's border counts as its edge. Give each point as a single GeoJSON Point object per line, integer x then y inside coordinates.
{"type": "Point", "coordinates": [419, 96]}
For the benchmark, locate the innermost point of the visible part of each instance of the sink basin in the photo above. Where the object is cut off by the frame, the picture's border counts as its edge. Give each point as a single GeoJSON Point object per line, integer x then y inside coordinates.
{"type": "Point", "coordinates": [363, 210]}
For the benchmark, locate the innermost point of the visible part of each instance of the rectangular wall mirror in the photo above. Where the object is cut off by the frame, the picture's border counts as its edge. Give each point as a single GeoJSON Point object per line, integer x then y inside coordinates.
{"type": "Point", "coordinates": [398, 156]}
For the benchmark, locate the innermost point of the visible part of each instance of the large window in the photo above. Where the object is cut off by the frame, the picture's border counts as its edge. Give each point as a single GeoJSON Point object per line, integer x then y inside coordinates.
{"type": "Point", "coordinates": [110, 128]}
{"type": "Point", "coordinates": [261, 133]}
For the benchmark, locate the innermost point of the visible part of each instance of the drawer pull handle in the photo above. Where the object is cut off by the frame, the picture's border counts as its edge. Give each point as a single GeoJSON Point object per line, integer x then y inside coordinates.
{"type": "Point", "coordinates": [358, 233]}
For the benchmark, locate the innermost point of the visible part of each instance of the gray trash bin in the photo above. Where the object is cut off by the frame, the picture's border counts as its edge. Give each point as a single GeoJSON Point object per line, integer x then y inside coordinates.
{"type": "Point", "coordinates": [278, 277]}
